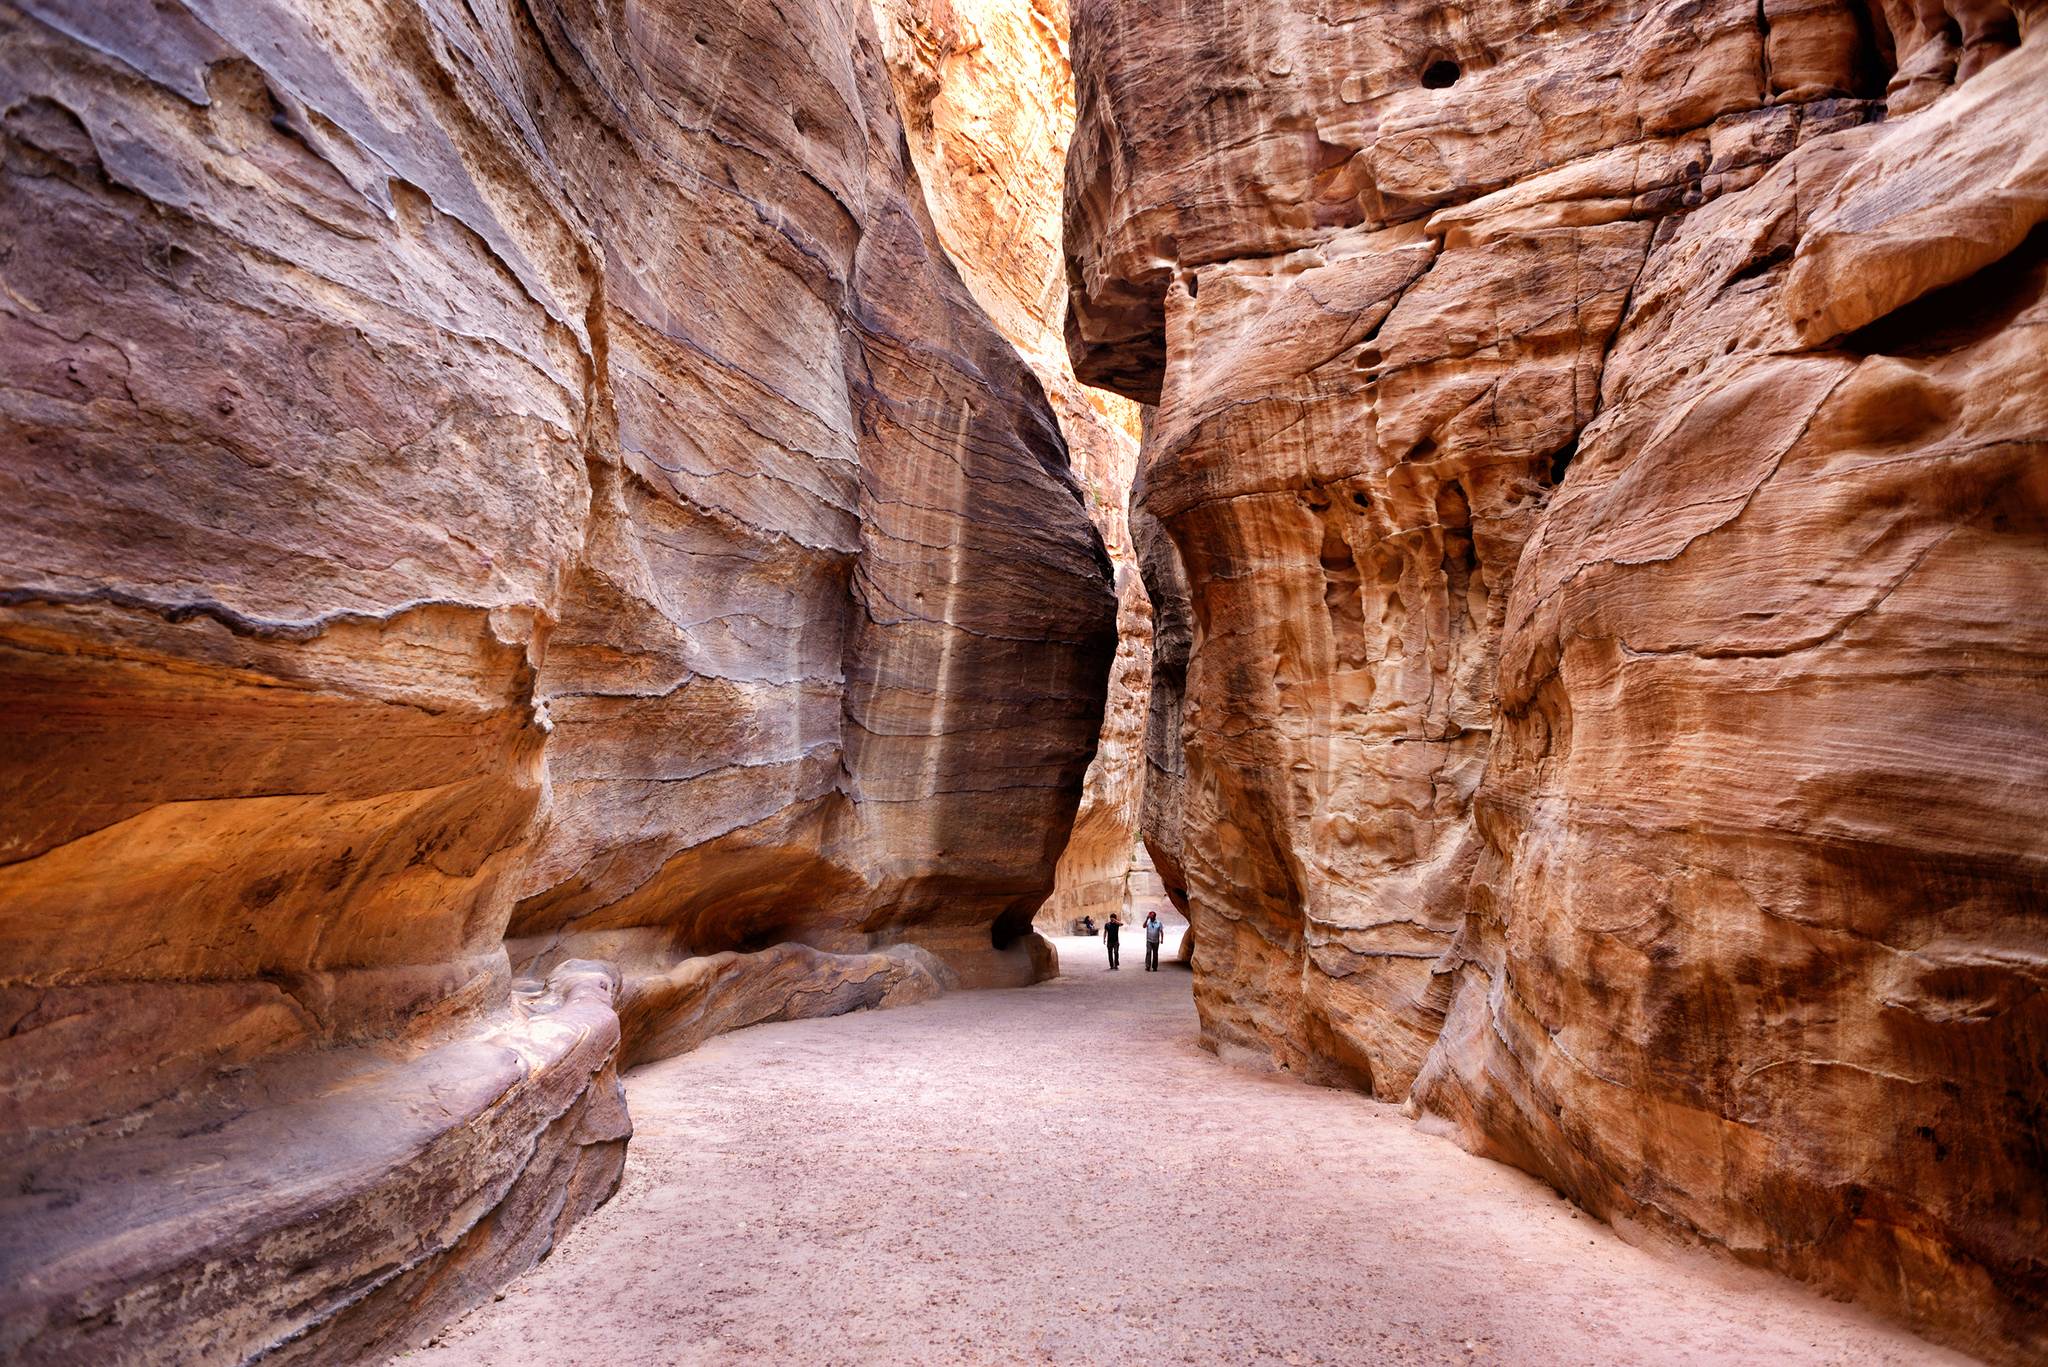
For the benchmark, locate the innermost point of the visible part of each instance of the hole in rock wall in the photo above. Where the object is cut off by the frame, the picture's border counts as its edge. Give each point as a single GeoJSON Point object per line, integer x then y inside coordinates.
{"type": "Point", "coordinates": [1460, 555]}
{"type": "Point", "coordinates": [1562, 462]}
{"type": "Point", "coordinates": [1342, 598]}
{"type": "Point", "coordinates": [1876, 56]}
{"type": "Point", "coordinates": [1440, 74]}
{"type": "Point", "coordinates": [1010, 927]}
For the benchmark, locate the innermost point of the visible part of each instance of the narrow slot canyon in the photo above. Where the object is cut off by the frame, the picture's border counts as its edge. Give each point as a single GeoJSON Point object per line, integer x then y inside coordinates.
{"type": "Point", "coordinates": [602, 603]}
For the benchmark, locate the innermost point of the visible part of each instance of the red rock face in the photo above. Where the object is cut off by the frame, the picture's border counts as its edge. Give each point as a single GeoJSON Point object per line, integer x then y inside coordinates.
{"type": "Point", "coordinates": [533, 479]}
{"type": "Point", "coordinates": [1603, 447]}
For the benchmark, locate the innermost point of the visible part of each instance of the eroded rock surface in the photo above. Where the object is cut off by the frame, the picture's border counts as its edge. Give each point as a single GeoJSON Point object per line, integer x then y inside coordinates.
{"type": "Point", "coordinates": [477, 476]}
{"type": "Point", "coordinates": [988, 101]}
{"type": "Point", "coordinates": [1603, 448]}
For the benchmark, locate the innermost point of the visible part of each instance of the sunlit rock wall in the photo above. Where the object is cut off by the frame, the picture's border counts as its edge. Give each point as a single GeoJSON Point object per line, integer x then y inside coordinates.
{"type": "Point", "coordinates": [988, 101]}
{"type": "Point", "coordinates": [475, 475]}
{"type": "Point", "coordinates": [1604, 446]}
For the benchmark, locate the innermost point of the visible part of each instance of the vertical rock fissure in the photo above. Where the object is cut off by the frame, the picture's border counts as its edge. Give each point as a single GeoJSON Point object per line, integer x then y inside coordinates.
{"type": "Point", "coordinates": [987, 99]}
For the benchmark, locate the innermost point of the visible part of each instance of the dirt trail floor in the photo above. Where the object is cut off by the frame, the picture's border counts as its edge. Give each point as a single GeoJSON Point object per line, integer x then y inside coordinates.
{"type": "Point", "coordinates": [1060, 1175]}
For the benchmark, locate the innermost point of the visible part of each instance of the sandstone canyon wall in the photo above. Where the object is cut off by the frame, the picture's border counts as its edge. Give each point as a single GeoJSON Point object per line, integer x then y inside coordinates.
{"type": "Point", "coordinates": [1600, 454]}
{"type": "Point", "coordinates": [519, 552]}
{"type": "Point", "coordinates": [987, 97]}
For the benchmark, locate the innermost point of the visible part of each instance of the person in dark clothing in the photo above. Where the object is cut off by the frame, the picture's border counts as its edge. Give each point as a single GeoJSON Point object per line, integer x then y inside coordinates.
{"type": "Point", "coordinates": [1109, 930]}
{"type": "Point", "coordinates": [1155, 931]}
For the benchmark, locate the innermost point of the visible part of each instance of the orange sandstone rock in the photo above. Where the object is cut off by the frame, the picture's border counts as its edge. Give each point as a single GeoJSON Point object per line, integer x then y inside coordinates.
{"type": "Point", "coordinates": [475, 476]}
{"type": "Point", "coordinates": [987, 100]}
{"type": "Point", "coordinates": [1602, 447]}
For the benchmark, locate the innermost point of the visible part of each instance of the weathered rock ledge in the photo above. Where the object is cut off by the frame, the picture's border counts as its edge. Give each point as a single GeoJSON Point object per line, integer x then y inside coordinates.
{"type": "Point", "coordinates": [313, 1205]}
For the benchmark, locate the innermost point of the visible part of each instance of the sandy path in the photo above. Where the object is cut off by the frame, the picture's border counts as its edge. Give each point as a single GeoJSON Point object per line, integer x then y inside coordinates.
{"type": "Point", "coordinates": [1059, 1174]}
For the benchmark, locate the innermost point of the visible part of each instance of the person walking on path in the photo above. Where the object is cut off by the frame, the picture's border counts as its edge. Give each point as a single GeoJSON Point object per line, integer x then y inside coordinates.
{"type": "Point", "coordinates": [1109, 930]}
{"type": "Point", "coordinates": [1155, 931]}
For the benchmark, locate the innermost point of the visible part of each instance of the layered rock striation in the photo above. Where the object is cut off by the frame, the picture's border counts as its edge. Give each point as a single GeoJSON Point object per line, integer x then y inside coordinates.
{"type": "Point", "coordinates": [1598, 452]}
{"type": "Point", "coordinates": [519, 552]}
{"type": "Point", "coordinates": [988, 102]}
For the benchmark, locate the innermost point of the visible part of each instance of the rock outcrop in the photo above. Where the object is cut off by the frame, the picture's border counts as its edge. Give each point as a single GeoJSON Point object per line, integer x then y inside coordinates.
{"type": "Point", "coordinates": [988, 100]}
{"type": "Point", "coordinates": [513, 529]}
{"type": "Point", "coordinates": [1603, 446]}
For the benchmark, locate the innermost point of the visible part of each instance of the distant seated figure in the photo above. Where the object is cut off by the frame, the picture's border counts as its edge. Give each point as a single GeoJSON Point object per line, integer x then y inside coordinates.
{"type": "Point", "coordinates": [1087, 925]}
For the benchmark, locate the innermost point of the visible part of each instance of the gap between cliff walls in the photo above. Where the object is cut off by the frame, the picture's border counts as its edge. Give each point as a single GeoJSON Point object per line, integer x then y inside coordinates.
{"type": "Point", "coordinates": [986, 95]}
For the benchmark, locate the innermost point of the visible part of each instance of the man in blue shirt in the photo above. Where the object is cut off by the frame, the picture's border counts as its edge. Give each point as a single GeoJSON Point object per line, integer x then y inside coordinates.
{"type": "Point", "coordinates": [1155, 931]}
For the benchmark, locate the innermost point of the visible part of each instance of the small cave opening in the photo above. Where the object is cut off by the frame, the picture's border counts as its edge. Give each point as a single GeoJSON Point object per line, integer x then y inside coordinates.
{"type": "Point", "coordinates": [1562, 462]}
{"type": "Point", "coordinates": [1010, 927]}
{"type": "Point", "coordinates": [1441, 74]}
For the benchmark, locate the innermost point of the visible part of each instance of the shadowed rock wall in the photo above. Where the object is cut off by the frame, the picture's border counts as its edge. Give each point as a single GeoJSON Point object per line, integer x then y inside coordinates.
{"type": "Point", "coordinates": [1166, 769]}
{"type": "Point", "coordinates": [477, 480]}
{"type": "Point", "coordinates": [1603, 447]}
{"type": "Point", "coordinates": [988, 100]}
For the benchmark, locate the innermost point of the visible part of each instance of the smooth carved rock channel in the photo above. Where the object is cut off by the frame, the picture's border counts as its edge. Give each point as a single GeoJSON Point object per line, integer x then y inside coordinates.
{"type": "Point", "coordinates": [1595, 522]}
